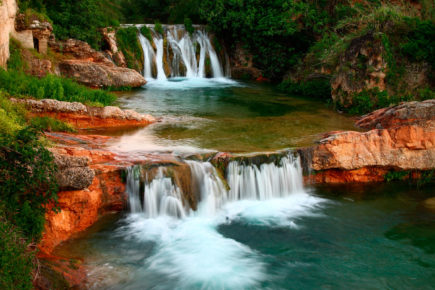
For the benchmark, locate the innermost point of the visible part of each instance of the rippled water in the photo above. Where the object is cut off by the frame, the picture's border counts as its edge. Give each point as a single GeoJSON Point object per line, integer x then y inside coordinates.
{"type": "Point", "coordinates": [374, 237]}
{"type": "Point", "coordinates": [224, 115]}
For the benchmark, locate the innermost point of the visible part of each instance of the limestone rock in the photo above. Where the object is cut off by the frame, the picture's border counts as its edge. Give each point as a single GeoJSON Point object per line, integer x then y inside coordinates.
{"type": "Point", "coordinates": [100, 75]}
{"type": "Point", "coordinates": [8, 10]}
{"type": "Point", "coordinates": [405, 142]}
{"type": "Point", "coordinates": [73, 172]}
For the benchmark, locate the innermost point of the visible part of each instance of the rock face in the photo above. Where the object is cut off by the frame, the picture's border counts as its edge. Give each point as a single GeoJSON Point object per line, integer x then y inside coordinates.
{"type": "Point", "coordinates": [98, 189]}
{"type": "Point", "coordinates": [81, 116]}
{"type": "Point", "coordinates": [115, 54]}
{"type": "Point", "coordinates": [8, 10]}
{"type": "Point", "coordinates": [92, 68]}
{"type": "Point", "coordinates": [404, 140]}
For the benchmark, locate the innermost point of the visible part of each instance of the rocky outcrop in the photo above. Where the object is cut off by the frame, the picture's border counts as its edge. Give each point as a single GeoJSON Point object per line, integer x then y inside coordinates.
{"type": "Point", "coordinates": [93, 68]}
{"type": "Point", "coordinates": [73, 173]}
{"type": "Point", "coordinates": [98, 75]}
{"type": "Point", "coordinates": [115, 54]}
{"type": "Point", "coordinates": [361, 67]}
{"type": "Point", "coordinates": [401, 138]}
{"type": "Point", "coordinates": [86, 117]}
{"type": "Point", "coordinates": [91, 197]}
{"type": "Point", "coordinates": [8, 10]}
{"type": "Point", "coordinates": [33, 32]}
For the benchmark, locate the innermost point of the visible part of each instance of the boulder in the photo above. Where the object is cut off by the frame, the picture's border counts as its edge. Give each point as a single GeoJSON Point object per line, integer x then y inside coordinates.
{"type": "Point", "coordinates": [99, 75]}
{"type": "Point", "coordinates": [73, 172]}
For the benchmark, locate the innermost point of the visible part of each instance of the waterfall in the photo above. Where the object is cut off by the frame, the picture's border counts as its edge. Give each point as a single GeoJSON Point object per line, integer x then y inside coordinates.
{"type": "Point", "coordinates": [187, 55]}
{"type": "Point", "coordinates": [149, 56]}
{"type": "Point", "coordinates": [162, 196]}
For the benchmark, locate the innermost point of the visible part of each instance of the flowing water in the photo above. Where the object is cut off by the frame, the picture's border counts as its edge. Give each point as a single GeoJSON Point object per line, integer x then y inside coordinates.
{"type": "Point", "coordinates": [254, 225]}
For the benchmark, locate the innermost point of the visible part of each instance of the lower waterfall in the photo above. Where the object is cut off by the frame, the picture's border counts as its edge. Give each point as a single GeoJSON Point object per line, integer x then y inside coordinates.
{"type": "Point", "coordinates": [162, 196]}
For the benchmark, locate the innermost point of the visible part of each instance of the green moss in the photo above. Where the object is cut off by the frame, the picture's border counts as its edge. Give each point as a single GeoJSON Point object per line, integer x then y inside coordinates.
{"type": "Point", "coordinates": [158, 27]}
{"type": "Point", "coordinates": [146, 32]}
{"type": "Point", "coordinates": [129, 44]}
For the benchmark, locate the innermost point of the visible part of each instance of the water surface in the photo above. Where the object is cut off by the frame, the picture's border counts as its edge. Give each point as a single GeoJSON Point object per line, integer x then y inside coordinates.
{"type": "Point", "coordinates": [224, 115]}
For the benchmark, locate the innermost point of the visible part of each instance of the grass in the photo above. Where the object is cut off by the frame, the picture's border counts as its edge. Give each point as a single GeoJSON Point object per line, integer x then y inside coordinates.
{"type": "Point", "coordinates": [19, 84]}
{"type": "Point", "coordinates": [50, 124]}
{"type": "Point", "coordinates": [129, 44]}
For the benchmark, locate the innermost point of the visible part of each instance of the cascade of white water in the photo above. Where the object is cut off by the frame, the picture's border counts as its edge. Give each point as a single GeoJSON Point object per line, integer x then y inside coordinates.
{"type": "Point", "coordinates": [149, 56]}
{"type": "Point", "coordinates": [183, 49]}
{"type": "Point", "coordinates": [158, 40]}
{"type": "Point", "coordinates": [246, 182]}
{"type": "Point", "coordinates": [265, 181]}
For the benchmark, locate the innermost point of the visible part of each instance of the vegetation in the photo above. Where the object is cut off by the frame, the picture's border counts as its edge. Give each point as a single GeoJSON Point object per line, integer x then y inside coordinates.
{"type": "Point", "coordinates": [146, 32]}
{"type": "Point", "coordinates": [130, 46]}
{"type": "Point", "coordinates": [50, 124]}
{"type": "Point", "coordinates": [319, 88]}
{"type": "Point", "coordinates": [19, 84]}
{"type": "Point", "coordinates": [77, 19]}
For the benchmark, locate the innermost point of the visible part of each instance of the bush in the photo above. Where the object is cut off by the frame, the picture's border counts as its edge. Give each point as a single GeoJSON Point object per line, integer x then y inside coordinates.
{"type": "Point", "coordinates": [16, 262]}
{"type": "Point", "coordinates": [158, 27]}
{"type": "Point", "coordinates": [146, 32]}
{"type": "Point", "coordinates": [319, 88]}
{"type": "Point", "coordinates": [27, 181]}
{"type": "Point", "coordinates": [421, 43]}
{"type": "Point", "coordinates": [129, 44]}
{"type": "Point", "coordinates": [51, 87]}
{"type": "Point", "coordinates": [12, 116]}
{"type": "Point", "coordinates": [188, 25]}
{"type": "Point", "coordinates": [50, 124]}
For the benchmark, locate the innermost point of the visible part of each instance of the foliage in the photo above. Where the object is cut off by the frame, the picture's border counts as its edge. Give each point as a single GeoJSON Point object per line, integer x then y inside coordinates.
{"type": "Point", "coordinates": [77, 19]}
{"type": "Point", "coordinates": [396, 175]}
{"type": "Point", "coordinates": [12, 117]}
{"type": "Point", "coordinates": [319, 88]}
{"type": "Point", "coordinates": [420, 45]}
{"type": "Point", "coordinates": [15, 61]}
{"type": "Point", "coordinates": [27, 181]}
{"type": "Point", "coordinates": [16, 262]}
{"type": "Point", "coordinates": [166, 11]}
{"type": "Point", "coordinates": [130, 46]}
{"type": "Point", "coordinates": [50, 124]}
{"type": "Point", "coordinates": [158, 27]}
{"type": "Point", "coordinates": [146, 32]}
{"type": "Point", "coordinates": [51, 87]}
{"type": "Point", "coordinates": [188, 25]}
{"type": "Point", "coordinates": [276, 32]}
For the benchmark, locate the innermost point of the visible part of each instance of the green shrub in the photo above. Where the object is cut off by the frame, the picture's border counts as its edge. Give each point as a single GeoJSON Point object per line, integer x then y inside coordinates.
{"type": "Point", "coordinates": [146, 32]}
{"type": "Point", "coordinates": [319, 88]}
{"type": "Point", "coordinates": [12, 116]}
{"type": "Point", "coordinates": [16, 261]}
{"type": "Point", "coordinates": [188, 25]}
{"type": "Point", "coordinates": [158, 27]}
{"type": "Point", "coordinates": [129, 44]}
{"type": "Point", "coordinates": [15, 61]}
{"type": "Point", "coordinates": [27, 181]}
{"type": "Point", "coordinates": [50, 124]}
{"type": "Point", "coordinates": [421, 43]}
{"type": "Point", "coordinates": [51, 87]}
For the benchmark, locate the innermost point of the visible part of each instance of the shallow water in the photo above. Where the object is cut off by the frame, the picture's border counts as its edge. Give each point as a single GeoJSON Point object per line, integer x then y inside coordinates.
{"type": "Point", "coordinates": [351, 237]}
{"type": "Point", "coordinates": [371, 237]}
{"type": "Point", "coordinates": [224, 115]}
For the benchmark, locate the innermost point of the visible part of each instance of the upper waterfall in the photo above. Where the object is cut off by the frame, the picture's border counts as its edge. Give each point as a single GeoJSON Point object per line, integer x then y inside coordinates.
{"type": "Point", "coordinates": [178, 53]}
